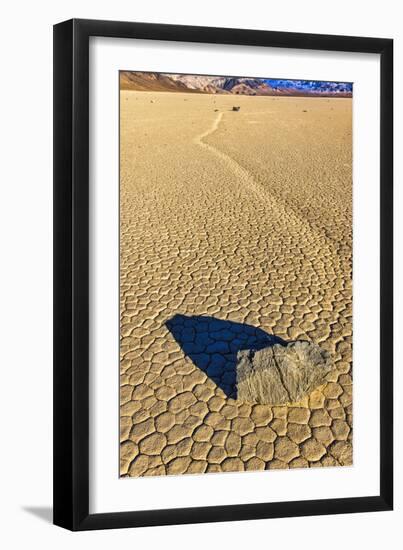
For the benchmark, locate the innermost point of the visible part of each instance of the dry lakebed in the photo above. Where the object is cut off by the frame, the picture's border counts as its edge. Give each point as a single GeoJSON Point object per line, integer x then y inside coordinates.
{"type": "Point", "coordinates": [235, 234]}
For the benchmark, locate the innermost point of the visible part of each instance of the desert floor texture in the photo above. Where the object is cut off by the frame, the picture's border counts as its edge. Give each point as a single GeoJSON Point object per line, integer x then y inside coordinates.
{"type": "Point", "coordinates": [234, 226]}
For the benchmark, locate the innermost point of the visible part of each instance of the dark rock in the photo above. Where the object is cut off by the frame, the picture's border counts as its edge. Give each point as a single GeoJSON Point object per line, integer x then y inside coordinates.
{"type": "Point", "coordinates": [235, 108]}
{"type": "Point", "coordinates": [281, 374]}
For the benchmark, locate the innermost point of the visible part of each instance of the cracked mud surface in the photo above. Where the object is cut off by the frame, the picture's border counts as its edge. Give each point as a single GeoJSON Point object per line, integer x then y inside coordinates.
{"type": "Point", "coordinates": [235, 230]}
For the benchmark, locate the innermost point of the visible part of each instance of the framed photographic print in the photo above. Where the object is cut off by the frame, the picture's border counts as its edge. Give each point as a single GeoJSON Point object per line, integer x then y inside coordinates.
{"type": "Point", "coordinates": [223, 274]}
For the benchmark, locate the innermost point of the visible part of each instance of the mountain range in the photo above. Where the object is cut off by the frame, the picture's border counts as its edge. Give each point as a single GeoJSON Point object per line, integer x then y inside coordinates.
{"type": "Point", "coordinates": [161, 82]}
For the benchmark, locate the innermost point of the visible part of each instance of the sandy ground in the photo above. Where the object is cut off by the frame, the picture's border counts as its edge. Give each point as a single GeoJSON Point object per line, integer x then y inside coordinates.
{"type": "Point", "coordinates": [234, 226]}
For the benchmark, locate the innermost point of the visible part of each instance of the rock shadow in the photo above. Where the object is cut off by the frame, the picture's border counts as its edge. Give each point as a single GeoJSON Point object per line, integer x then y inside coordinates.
{"type": "Point", "coordinates": [212, 344]}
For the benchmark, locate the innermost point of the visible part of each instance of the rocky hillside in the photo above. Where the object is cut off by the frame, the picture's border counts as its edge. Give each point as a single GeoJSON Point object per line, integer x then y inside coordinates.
{"type": "Point", "coordinates": [159, 82]}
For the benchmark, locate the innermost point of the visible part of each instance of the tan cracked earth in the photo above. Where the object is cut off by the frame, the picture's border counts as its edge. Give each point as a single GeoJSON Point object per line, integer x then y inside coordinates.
{"type": "Point", "coordinates": [236, 227]}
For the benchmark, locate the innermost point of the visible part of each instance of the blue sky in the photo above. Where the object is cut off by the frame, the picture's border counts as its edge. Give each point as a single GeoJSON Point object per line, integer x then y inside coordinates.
{"type": "Point", "coordinates": [310, 85]}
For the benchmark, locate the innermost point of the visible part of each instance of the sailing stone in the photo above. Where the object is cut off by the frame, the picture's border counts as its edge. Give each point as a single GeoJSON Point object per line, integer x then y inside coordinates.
{"type": "Point", "coordinates": [281, 374]}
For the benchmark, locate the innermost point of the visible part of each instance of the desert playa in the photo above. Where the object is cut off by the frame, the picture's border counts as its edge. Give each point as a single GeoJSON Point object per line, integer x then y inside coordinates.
{"type": "Point", "coordinates": [235, 227]}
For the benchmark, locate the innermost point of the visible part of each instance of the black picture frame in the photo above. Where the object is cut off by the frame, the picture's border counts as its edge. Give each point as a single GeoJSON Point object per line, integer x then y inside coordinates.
{"type": "Point", "coordinates": [71, 274]}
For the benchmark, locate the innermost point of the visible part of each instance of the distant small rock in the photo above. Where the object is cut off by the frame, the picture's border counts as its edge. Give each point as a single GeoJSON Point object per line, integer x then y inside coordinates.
{"type": "Point", "coordinates": [304, 111]}
{"type": "Point", "coordinates": [215, 110]}
{"type": "Point", "coordinates": [281, 374]}
{"type": "Point", "coordinates": [235, 108]}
